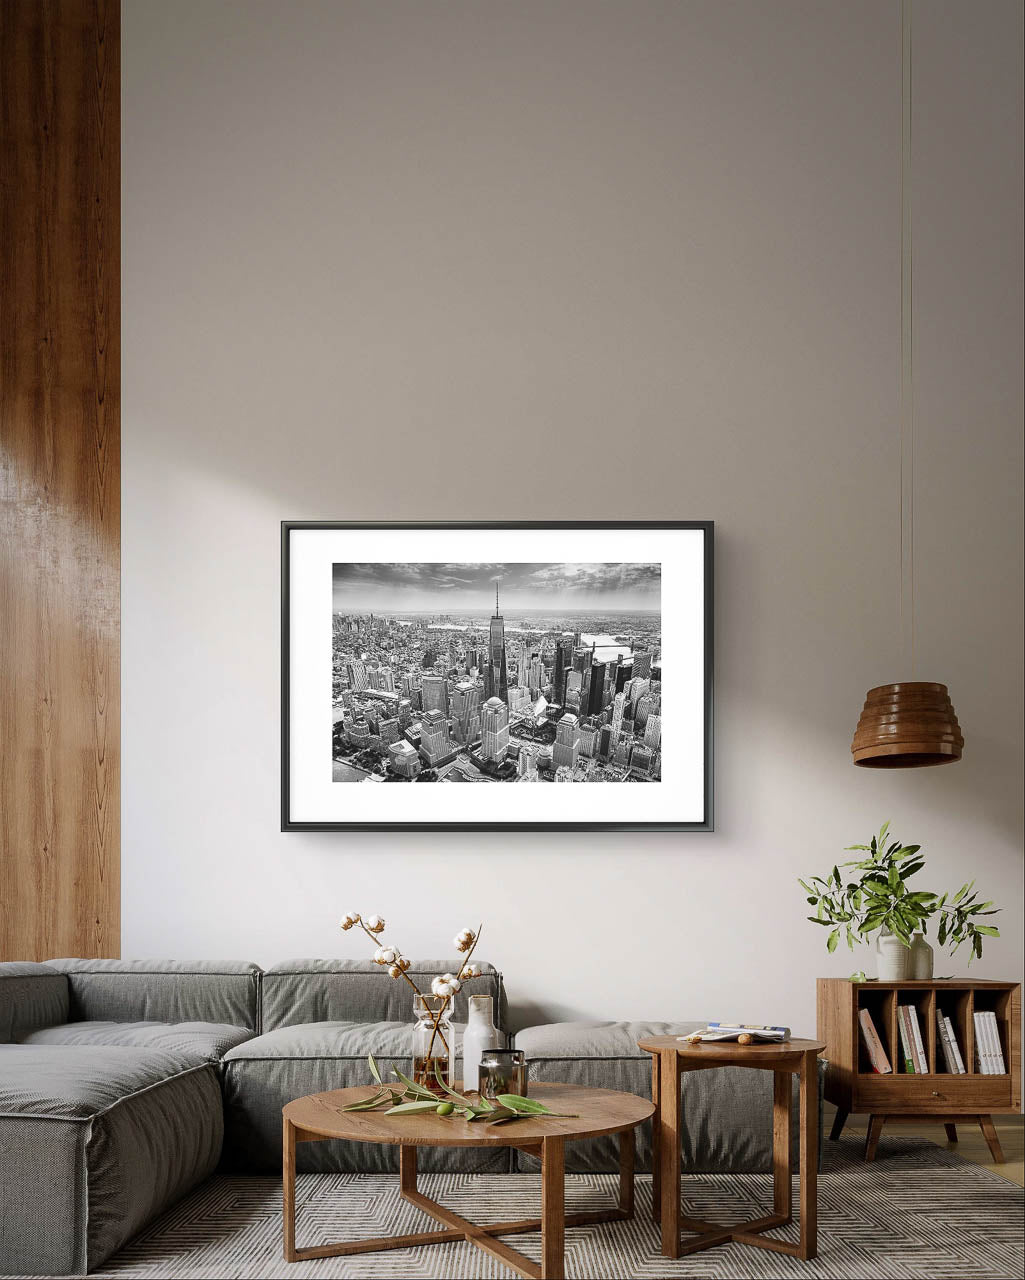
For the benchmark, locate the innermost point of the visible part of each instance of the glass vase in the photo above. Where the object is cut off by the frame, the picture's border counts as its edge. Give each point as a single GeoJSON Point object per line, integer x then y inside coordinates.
{"type": "Point", "coordinates": [432, 1042]}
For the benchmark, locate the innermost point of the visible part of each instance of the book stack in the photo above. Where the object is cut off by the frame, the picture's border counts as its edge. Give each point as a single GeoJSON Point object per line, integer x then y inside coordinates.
{"type": "Point", "coordinates": [873, 1045]}
{"type": "Point", "coordinates": [949, 1047]}
{"type": "Point", "coordinates": [915, 1060]}
{"type": "Point", "coordinates": [989, 1054]}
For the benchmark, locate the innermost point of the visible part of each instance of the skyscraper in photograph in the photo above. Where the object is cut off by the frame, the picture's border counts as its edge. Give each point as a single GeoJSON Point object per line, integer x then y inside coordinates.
{"type": "Point", "coordinates": [465, 707]}
{"type": "Point", "coordinates": [494, 730]}
{"type": "Point", "coordinates": [497, 684]}
{"type": "Point", "coordinates": [435, 694]}
{"type": "Point", "coordinates": [435, 744]}
{"type": "Point", "coordinates": [642, 663]}
{"type": "Point", "coordinates": [653, 732]}
{"type": "Point", "coordinates": [567, 742]}
{"type": "Point", "coordinates": [358, 677]}
{"type": "Point", "coordinates": [563, 662]}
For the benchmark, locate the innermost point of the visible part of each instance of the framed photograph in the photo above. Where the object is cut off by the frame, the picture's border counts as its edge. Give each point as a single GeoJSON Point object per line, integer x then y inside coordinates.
{"type": "Point", "coordinates": [541, 676]}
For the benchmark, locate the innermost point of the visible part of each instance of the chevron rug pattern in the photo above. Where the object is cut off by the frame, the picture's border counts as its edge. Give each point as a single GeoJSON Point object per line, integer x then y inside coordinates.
{"type": "Point", "coordinates": [917, 1213]}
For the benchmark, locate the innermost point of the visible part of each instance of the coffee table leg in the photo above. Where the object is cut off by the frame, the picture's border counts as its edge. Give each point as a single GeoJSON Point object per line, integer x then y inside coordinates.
{"type": "Point", "coordinates": [669, 1151]}
{"type": "Point", "coordinates": [288, 1190]}
{"type": "Point", "coordinates": [626, 1173]}
{"type": "Point", "coordinates": [553, 1208]}
{"type": "Point", "coordinates": [656, 1163]}
{"type": "Point", "coordinates": [809, 1154]}
{"type": "Point", "coordinates": [407, 1169]}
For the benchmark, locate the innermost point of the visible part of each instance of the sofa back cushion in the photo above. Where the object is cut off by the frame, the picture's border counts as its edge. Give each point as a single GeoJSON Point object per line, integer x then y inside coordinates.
{"type": "Point", "coordinates": [297, 991]}
{"type": "Point", "coordinates": [32, 996]}
{"type": "Point", "coordinates": [163, 991]}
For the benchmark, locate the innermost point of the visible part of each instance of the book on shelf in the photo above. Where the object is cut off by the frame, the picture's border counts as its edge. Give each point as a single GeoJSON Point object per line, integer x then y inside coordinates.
{"type": "Point", "coordinates": [873, 1045]}
{"type": "Point", "coordinates": [916, 1031]}
{"type": "Point", "coordinates": [947, 1043]}
{"type": "Point", "coordinates": [989, 1054]}
{"type": "Point", "coordinates": [945, 1049]}
{"type": "Point", "coordinates": [998, 1049]}
{"type": "Point", "coordinates": [952, 1037]}
{"type": "Point", "coordinates": [761, 1032]}
{"type": "Point", "coordinates": [906, 1040]}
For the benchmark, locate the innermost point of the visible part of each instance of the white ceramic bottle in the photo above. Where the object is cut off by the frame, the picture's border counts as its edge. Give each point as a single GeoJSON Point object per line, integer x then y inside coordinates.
{"type": "Point", "coordinates": [481, 1033]}
{"type": "Point", "coordinates": [921, 958]}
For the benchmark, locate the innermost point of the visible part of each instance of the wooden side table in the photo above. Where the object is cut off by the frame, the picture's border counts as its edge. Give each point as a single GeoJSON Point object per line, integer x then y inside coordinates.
{"type": "Point", "coordinates": [672, 1057]}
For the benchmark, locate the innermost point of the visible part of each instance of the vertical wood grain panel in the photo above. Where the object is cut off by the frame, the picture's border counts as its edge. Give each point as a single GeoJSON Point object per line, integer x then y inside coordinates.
{"type": "Point", "coordinates": [60, 479]}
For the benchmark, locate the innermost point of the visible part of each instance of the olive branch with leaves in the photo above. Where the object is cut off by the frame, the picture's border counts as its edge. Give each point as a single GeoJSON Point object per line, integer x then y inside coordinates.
{"type": "Point", "coordinates": [855, 905]}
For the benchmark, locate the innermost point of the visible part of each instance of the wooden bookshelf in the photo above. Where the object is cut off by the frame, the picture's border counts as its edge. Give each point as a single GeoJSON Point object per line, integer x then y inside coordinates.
{"type": "Point", "coordinates": [939, 1095]}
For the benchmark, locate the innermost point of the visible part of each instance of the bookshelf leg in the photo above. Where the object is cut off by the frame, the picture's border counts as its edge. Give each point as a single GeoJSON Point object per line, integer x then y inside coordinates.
{"type": "Point", "coordinates": [875, 1128]}
{"type": "Point", "coordinates": [992, 1141]}
{"type": "Point", "coordinates": [951, 1131]}
{"type": "Point", "coordinates": [839, 1120]}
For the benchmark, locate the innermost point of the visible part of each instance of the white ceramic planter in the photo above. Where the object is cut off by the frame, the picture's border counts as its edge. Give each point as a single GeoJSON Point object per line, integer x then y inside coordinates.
{"type": "Point", "coordinates": [893, 958]}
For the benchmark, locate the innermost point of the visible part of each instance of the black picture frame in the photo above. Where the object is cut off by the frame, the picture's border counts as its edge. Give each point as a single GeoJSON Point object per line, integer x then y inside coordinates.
{"type": "Point", "coordinates": [706, 823]}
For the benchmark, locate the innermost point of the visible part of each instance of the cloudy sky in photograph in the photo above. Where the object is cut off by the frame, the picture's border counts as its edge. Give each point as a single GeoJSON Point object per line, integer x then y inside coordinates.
{"type": "Point", "coordinates": [394, 588]}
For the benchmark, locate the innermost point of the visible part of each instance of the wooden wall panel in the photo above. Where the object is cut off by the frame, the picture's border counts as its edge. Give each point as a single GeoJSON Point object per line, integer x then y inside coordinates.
{"type": "Point", "coordinates": [60, 479]}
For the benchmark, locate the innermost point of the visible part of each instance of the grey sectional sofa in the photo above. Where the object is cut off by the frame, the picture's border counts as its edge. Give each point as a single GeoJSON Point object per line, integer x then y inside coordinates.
{"type": "Point", "coordinates": [123, 1084]}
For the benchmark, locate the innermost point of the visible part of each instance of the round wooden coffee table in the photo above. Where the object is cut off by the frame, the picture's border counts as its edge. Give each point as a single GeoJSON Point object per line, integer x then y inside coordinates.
{"type": "Point", "coordinates": [672, 1057]}
{"type": "Point", "coordinates": [595, 1113]}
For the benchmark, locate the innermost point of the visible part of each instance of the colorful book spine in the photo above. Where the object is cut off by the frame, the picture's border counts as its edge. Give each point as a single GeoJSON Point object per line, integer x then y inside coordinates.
{"type": "Point", "coordinates": [873, 1045]}
{"type": "Point", "coordinates": [922, 1062]}
{"type": "Point", "coordinates": [904, 1028]}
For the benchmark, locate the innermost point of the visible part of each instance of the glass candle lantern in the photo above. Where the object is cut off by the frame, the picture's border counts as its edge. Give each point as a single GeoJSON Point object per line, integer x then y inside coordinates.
{"type": "Point", "coordinates": [502, 1071]}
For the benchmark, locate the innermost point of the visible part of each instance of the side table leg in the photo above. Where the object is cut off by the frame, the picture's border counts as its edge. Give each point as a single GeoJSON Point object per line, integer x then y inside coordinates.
{"type": "Point", "coordinates": [809, 1154]}
{"type": "Point", "coordinates": [669, 1151]}
{"type": "Point", "coordinates": [288, 1190]}
{"type": "Point", "coordinates": [656, 1162]}
{"type": "Point", "coordinates": [781, 1122]}
{"type": "Point", "coordinates": [626, 1172]}
{"type": "Point", "coordinates": [553, 1208]}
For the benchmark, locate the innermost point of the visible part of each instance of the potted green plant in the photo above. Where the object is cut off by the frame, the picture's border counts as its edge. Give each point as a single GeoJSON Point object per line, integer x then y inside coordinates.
{"type": "Point", "coordinates": [871, 895]}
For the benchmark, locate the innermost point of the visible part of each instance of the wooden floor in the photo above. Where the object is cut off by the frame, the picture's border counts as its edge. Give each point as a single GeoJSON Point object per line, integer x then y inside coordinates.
{"type": "Point", "coordinates": [970, 1144]}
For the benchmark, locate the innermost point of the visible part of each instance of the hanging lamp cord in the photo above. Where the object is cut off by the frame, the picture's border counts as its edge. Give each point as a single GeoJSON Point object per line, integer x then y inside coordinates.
{"type": "Point", "coordinates": [907, 357]}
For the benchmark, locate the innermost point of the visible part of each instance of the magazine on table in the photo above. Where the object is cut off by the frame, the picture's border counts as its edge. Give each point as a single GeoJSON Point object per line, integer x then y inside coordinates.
{"type": "Point", "coordinates": [760, 1032]}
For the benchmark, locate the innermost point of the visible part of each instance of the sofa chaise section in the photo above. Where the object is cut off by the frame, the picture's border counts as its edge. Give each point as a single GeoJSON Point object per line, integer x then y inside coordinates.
{"type": "Point", "coordinates": [321, 1018]}
{"type": "Point", "coordinates": [94, 1142]}
{"type": "Point", "coordinates": [727, 1112]}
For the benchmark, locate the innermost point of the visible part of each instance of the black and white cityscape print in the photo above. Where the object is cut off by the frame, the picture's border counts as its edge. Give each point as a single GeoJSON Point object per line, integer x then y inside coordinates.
{"type": "Point", "coordinates": [486, 673]}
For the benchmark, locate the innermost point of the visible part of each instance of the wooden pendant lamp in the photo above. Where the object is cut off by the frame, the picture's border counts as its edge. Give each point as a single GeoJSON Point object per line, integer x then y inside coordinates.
{"type": "Point", "coordinates": [912, 723]}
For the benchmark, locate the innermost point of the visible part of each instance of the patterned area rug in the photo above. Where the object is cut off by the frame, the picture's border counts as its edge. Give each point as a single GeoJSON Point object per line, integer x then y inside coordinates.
{"type": "Point", "coordinates": [917, 1213]}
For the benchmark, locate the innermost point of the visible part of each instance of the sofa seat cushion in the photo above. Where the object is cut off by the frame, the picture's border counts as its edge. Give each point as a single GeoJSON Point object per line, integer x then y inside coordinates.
{"type": "Point", "coordinates": [265, 1073]}
{"type": "Point", "coordinates": [727, 1113]}
{"type": "Point", "coordinates": [94, 1142]}
{"type": "Point", "coordinates": [198, 1041]}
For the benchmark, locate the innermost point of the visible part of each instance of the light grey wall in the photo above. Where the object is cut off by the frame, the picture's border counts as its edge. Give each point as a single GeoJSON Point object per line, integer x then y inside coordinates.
{"type": "Point", "coordinates": [577, 259]}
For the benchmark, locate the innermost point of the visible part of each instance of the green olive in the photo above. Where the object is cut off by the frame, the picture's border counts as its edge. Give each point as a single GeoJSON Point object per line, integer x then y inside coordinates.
{"type": "Point", "coordinates": [445, 1108]}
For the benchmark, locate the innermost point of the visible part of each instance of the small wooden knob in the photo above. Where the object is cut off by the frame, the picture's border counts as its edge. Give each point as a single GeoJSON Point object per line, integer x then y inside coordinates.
{"type": "Point", "coordinates": [935, 1093]}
